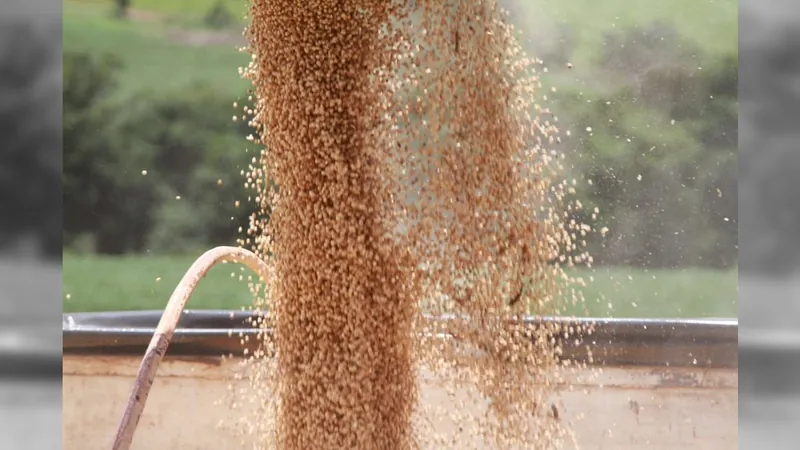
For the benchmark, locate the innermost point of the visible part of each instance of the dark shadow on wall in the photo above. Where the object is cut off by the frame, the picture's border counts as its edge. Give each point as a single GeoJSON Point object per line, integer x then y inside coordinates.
{"type": "Point", "coordinates": [769, 149]}
{"type": "Point", "coordinates": [30, 134]}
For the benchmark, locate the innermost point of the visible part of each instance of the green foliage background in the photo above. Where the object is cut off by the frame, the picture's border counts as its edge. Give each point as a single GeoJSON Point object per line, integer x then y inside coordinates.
{"type": "Point", "coordinates": [651, 108]}
{"type": "Point", "coordinates": [160, 172]}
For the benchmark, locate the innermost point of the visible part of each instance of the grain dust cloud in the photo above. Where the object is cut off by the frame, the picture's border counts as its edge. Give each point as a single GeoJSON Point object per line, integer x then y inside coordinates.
{"type": "Point", "coordinates": [410, 209]}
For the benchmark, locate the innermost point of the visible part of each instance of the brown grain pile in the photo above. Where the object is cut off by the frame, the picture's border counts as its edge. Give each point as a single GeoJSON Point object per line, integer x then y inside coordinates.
{"type": "Point", "coordinates": [406, 168]}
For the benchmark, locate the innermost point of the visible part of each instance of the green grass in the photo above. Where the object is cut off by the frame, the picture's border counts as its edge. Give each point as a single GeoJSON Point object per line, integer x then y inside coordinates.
{"type": "Point", "coordinates": [190, 12]}
{"type": "Point", "coordinates": [684, 293]}
{"type": "Point", "coordinates": [152, 61]}
{"type": "Point", "coordinates": [107, 283]}
{"type": "Point", "coordinates": [713, 24]}
{"type": "Point", "coordinates": [172, 7]}
{"type": "Point", "coordinates": [102, 283]}
{"type": "Point", "coordinates": [155, 62]}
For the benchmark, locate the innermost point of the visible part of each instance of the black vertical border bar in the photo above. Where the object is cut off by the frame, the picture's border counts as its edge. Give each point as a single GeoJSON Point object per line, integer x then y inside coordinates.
{"type": "Point", "coordinates": [30, 296]}
{"type": "Point", "coordinates": [769, 218]}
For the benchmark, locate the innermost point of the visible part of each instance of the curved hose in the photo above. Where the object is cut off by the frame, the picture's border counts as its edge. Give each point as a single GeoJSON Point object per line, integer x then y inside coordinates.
{"type": "Point", "coordinates": [166, 328]}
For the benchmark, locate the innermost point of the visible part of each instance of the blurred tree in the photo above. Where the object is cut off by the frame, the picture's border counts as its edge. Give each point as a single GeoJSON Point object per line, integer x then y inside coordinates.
{"type": "Point", "coordinates": [102, 196]}
{"type": "Point", "coordinates": [197, 155]}
{"type": "Point", "coordinates": [122, 8]}
{"type": "Point", "coordinates": [157, 172]}
{"type": "Point", "coordinates": [658, 152]}
{"type": "Point", "coordinates": [219, 16]}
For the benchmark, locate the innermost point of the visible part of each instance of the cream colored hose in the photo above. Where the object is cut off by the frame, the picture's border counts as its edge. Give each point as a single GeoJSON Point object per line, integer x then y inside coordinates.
{"type": "Point", "coordinates": [166, 328]}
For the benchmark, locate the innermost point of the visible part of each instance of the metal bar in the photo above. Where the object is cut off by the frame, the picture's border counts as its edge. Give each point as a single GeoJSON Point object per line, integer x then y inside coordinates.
{"type": "Point", "coordinates": [659, 342]}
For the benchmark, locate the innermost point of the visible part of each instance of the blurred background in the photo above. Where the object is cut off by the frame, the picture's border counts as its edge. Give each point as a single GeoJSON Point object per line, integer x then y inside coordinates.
{"type": "Point", "coordinates": [30, 225]}
{"type": "Point", "coordinates": [30, 173]}
{"type": "Point", "coordinates": [769, 286]}
{"type": "Point", "coordinates": [647, 90]}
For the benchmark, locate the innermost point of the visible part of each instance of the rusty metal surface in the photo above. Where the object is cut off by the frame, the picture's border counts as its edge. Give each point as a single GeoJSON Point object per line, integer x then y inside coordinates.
{"type": "Point", "coordinates": [619, 342]}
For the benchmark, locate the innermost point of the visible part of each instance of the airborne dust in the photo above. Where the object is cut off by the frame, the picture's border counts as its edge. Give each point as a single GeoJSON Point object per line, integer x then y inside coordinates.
{"type": "Point", "coordinates": [409, 206]}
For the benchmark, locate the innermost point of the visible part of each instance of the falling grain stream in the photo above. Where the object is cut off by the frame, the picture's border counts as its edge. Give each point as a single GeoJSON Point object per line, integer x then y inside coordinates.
{"type": "Point", "coordinates": [405, 166]}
